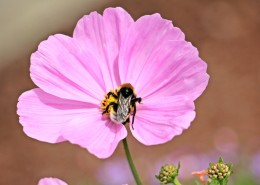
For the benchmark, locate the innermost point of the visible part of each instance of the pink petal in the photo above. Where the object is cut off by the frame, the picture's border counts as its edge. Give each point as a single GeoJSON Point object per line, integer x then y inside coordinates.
{"type": "Point", "coordinates": [103, 36]}
{"type": "Point", "coordinates": [169, 73]}
{"type": "Point", "coordinates": [51, 181]}
{"type": "Point", "coordinates": [97, 134]}
{"type": "Point", "coordinates": [144, 37]}
{"type": "Point", "coordinates": [155, 58]}
{"type": "Point", "coordinates": [60, 67]}
{"type": "Point", "coordinates": [43, 115]}
{"type": "Point", "coordinates": [159, 120]}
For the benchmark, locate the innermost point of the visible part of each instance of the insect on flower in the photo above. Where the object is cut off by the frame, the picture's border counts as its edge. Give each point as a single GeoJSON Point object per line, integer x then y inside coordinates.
{"type": "Point", "coordinates": [149, 74]}
{"type": "Point", "coordinates": [119, 104]}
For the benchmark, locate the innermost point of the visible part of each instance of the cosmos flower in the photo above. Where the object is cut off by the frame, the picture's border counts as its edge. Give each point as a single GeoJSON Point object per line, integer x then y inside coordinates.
{"type": "Point", "coordinates": [51, 181]}
{"type": "Point", "coordinates": [81, 79]}
{"type": "Point", "coordinates": [201, 175]}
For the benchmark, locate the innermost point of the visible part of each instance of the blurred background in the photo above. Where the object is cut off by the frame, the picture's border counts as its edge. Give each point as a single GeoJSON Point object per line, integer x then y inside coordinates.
{"type": "Point", "coordinates": [227, 35]}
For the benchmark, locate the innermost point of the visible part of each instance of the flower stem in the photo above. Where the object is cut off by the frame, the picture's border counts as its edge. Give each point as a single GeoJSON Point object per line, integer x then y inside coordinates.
{"type": "Point", "coordinates": [131, 163]}
{"type": "Point", "coordinates": [176, 181]}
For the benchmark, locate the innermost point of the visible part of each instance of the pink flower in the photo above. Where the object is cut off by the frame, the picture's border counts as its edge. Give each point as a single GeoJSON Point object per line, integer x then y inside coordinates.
{"type": "Point", "coordinates": [51, 181]}
{"type": "Point", "coordinates": [74, 73]}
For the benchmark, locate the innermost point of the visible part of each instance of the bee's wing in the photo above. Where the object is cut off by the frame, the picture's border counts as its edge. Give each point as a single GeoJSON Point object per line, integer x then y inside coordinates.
{"type": "Point", "coordinates": [123, 108]}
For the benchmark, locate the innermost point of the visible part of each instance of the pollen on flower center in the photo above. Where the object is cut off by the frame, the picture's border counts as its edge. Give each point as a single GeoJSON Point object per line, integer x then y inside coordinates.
{"type": "Point", "coordinates": [110, 98]}
{"type": "Point", "coordinates": [120, 103]}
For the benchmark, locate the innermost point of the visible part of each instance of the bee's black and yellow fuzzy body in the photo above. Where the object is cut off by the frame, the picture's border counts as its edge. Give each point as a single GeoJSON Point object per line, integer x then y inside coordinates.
{"type": "Point", "coordinates": [119, 104]}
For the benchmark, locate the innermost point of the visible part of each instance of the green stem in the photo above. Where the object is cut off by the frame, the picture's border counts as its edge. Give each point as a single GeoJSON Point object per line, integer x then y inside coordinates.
{"type": "Point", "coordinates": [131, 163]}
{"type": "Point", "coordinates": [176, 181]}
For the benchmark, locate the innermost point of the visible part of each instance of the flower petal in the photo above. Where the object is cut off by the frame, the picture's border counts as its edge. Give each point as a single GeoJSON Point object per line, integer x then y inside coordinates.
{"type": "Point", "coordinates": [43, 115]}
{"type": "Point", "coordinates": [156, 57]}
{"type": "Point", "coordinates": [159, 120]}
{"type": "Point", "coordinates": [60, 67]}
{"type": "Point", "coordinates": [51, 181]}
{"type": "Point", "coordinates": [103, 36]}
{"type": "Point", "coordinates": [174, 69]}
{"type": "Point", "coordinates": [146, 35]}
{"type": "Point", "coordinates": [97, 134]}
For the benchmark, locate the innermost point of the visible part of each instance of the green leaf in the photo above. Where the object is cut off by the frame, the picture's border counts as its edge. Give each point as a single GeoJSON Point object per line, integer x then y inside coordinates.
{"type": "Point", "coordinates": [179, 165]}
{"type": "Point", "coordinates": [221, 160]}
{"type": "Point", "coordinates": [230, 165]}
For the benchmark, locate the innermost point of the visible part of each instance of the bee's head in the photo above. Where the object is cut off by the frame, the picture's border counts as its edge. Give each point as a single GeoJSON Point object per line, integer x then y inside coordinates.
{"type": "Point", "coordinates": [126, 92]}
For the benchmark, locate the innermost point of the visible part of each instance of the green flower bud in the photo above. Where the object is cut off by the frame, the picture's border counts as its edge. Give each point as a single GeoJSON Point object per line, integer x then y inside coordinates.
{"type": "Point", "coordinates": [168, 174]}
{"type": "Point", "coordinates": [219, 172]}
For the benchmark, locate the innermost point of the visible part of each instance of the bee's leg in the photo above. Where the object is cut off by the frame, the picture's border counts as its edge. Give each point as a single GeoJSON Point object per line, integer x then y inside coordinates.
{"type": "Point", "coordinates": [111, 93]}
{"type": "Point", "coordinates": [126, 121]}
{"type": "Point", "coordinates": [134, 100]}
{"type": "Point", "coordinates": [110, 104]}
{"type": "Point", "coordinates": [133, 119]}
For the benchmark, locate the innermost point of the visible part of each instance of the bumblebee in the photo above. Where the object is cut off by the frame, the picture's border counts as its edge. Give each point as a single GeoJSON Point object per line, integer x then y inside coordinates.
{"type": "Point", "coordinates": [119, 104]}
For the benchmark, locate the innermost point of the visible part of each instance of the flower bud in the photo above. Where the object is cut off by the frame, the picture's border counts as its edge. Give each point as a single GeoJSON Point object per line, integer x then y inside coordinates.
{"type": "Point", "coordinates": [168, 173]}
{"type": "Point", "coordinates": [219, 171]}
